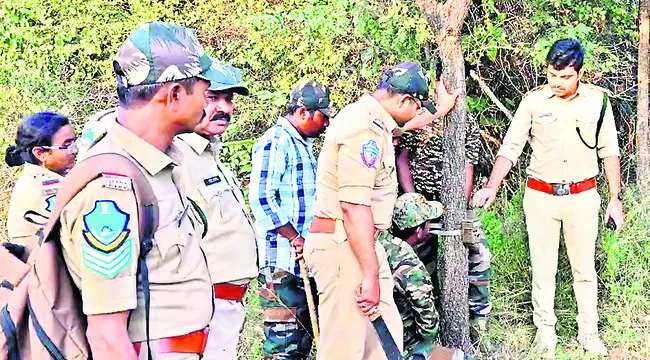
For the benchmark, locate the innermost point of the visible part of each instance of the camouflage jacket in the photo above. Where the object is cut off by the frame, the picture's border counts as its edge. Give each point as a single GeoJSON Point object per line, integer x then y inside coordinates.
{"type": "Point", "coordinates": [413, 292]}
{"type": "Point", "coordinates": [426, 151]}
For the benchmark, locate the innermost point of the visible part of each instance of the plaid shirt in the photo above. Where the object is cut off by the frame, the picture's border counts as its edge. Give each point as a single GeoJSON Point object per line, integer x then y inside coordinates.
{"type": "Point", "coordinates": [282, 191]}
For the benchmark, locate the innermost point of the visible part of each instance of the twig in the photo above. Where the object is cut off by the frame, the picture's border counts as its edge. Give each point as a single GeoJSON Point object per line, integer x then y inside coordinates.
{"type": "Point", "coordinates": [490, 94]}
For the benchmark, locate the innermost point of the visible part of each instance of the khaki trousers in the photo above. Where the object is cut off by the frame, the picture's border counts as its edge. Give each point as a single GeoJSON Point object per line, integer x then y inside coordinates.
{"type": "Point", "coordinates": [225, 327]}
{"type": "Point", "coordinates": [345, 333]}
{"type": "Point", "coordinates": [577, 216]}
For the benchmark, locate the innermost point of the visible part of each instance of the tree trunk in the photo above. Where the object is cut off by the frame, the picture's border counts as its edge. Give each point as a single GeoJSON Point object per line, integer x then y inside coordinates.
{"type": "Point", "coordinates": [446, 22]}
{"type": "Point", "coordinates": [643, 153]}
{"type": "Point", "coordinates": [454, 281]}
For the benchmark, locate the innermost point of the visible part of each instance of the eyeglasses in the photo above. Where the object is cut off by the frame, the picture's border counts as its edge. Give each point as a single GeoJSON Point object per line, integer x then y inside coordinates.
{"type": "Point", "coordinates": [416, 101]}
{"type": "Point", "coordinates": [72, 147]}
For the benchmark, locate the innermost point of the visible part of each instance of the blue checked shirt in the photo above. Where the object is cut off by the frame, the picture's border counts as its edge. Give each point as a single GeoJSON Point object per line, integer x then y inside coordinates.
{"type": "Point", "coordinates": [282, 191]}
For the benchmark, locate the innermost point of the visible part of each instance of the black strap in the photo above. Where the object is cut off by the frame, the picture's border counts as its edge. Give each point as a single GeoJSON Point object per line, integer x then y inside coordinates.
{"type": "Point", "coordinates": [47, 343]}
{"type": "Point", "coordinates": [146, 244]}
{"type": "Point", "coordinates": [204, 219]}
{"type": "Point", "coordinates": [598, 125]}
{"type": "Point", "coordinates": [9, 329]}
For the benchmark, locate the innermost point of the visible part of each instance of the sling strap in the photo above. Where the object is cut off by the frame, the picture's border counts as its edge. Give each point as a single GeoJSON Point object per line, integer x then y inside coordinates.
{"type": "Point", "coordinates": [598, 125]}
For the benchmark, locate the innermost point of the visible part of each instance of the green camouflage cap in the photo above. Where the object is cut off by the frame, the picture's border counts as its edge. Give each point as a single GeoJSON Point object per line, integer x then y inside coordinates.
{"type": "Point", "coordinates": [160, 52]}
{"type": "Point", "coordinates": [313, 96]}
{"type": "Point", "coordinates": [412, 209]}
{"type": "Point", "coordinates": [409, 78]}
{"type": "Point", "coordinates": [225, 77]}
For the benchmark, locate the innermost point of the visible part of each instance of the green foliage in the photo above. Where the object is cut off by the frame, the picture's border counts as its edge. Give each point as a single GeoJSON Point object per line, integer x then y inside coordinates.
{"type": "Point", "coordinates": [237, 155]}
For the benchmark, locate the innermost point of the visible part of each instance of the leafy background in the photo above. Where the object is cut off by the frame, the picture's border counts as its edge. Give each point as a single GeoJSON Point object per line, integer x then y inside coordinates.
{"type": "Point", "coordinates": [56, 55]}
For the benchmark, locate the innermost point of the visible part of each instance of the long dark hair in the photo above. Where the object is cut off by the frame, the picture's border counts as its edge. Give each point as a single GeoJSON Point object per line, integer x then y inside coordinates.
{"type": "Point", "coordinates": [34, 130]}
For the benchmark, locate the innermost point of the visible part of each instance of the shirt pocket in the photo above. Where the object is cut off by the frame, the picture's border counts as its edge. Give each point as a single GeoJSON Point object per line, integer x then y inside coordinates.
{"type": "Point", "coordinates": [215, 195]}
{"type": "Point", "coordinates": [170, 241]}
{"type": "Point", "coordinates": [546, 127]}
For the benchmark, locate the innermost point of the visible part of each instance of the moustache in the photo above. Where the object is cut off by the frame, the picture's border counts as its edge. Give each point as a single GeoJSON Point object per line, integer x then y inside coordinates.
{"type": "Point", "coordinates": [220, 116]}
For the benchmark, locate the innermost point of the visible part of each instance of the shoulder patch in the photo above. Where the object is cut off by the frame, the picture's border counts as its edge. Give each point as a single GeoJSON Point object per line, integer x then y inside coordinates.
{"type": "Point", "coordinates": [117, 182]}
{"type": "Point", "coordinates": [370, 153]}
{"type": "Point", "coordinates": [108, 247]}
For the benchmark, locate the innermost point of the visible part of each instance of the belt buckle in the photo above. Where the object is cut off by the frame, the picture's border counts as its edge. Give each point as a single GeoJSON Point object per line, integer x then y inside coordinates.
{"type": "Point", "coordinates": [561, 189]}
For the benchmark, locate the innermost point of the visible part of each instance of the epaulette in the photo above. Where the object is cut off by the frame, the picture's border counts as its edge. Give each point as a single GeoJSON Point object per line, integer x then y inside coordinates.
{"type": "Point", "coordinates": [597, 88]}
{"type": "Point", "coordinates": [540, 87]}
{"type": "Point", "coordinates": [377, 127]}
{"type": "Point", "coordinates": [117, 182]}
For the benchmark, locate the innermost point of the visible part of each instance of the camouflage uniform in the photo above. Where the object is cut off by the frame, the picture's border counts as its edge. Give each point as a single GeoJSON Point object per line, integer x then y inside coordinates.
{"type": "Point", "coordinates": [289, 338]}
{"type": "Point", "coordinates": [413, 290]}
{"type": "Point", "coordinates": [425, 163]}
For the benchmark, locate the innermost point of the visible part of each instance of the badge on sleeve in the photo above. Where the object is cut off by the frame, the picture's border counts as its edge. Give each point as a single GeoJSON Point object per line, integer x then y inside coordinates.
{"type": "Point", "coordinates": [370, 153]}
{"type": "Point", "coordinates": [108, 247]}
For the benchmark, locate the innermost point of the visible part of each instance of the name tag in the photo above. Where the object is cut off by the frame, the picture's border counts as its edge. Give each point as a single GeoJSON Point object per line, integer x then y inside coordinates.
{"type": "Point", "coordinates": [212, 180]}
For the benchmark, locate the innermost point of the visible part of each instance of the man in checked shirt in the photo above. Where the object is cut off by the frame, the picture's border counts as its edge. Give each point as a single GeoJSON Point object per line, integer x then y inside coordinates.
{"type": "Point", "coordinates": [282, 193]}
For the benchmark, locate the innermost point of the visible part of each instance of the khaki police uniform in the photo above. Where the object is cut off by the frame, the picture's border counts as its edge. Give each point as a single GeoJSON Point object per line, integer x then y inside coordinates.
{"type": "Point", "coordinates": [105, 270]}
{"type": "Point", "coordinates": [356, 165]}
{"type": "Point", "coordinates": [229, 244]}
{"type": "Point", "coordinates": [32, 201]}
{"type": "Point", "coordinates": [549, 124]}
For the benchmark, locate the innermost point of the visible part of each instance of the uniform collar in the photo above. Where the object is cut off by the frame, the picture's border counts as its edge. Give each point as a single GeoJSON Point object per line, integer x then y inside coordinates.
{"type": "Point", "coordinates": [378, 111]}
{"type": "Point", "coordinates": [288, 126]}
{"type": "Point", "coordinates": [147, 155]}
{"type": "Point", "coordinates": [197, 142]}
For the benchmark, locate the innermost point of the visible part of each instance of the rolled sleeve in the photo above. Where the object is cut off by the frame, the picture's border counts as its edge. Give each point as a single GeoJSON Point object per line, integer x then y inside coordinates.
{"type": "Point", "coordinates": [518, 133]}
{"type": "Point", "coordinates": [608, 137]}
{"type": "Point", "coordinates": [359, 156]}
{"type": "Point", "coordinates": [269, 165]}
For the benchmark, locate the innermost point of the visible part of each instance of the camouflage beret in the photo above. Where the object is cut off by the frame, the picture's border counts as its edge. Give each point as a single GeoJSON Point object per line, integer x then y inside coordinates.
{"type": "Point", "coordinates": [412, 209]}
{"type": "Point", "coordinates": [160, 52]}
{"type": "Point", "coordinates": [409, 78]}
{"type": "Point", "coordinates": [225, 77]}
{"type": "Point", "coordinates": [312, 96]}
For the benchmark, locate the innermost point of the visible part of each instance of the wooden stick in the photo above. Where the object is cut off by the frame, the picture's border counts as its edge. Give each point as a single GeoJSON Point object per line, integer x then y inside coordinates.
{"type": "Point", "coordinates": [310, 300]}
{"type": "Point", "coordinates": [490, 94]}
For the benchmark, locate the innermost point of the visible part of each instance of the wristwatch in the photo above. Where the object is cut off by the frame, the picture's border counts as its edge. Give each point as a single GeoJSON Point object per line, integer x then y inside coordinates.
{"type": "Point", "coordinates": [398, 131]}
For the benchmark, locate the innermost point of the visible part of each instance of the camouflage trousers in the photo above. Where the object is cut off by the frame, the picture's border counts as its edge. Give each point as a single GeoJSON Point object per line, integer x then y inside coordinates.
{"type": "Point", "coordinates": [287, 327]}
{"type": "Point", "coordinates": [479, 263]}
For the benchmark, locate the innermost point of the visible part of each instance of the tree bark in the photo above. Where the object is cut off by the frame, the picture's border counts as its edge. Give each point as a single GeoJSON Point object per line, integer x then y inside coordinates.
{"type": "Point", "coordinates": [446, 21]}
{"type": "Point", "coordinates": [643, 152]}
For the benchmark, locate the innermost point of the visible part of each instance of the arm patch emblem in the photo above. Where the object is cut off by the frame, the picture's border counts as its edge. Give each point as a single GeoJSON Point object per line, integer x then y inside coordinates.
{"type": "Point", "coordinates": [108, 247]}
{"type": "Point", "coordinates": [370, 153]}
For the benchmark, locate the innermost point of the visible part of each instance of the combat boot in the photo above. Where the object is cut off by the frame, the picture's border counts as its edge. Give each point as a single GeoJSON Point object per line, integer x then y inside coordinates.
{"type": "Point", "coordinates": [592, 344]}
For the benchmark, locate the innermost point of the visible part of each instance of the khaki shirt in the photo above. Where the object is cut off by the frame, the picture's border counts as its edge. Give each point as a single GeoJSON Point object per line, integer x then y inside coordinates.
{"type": "Point", "coordinates": [357, 163]}
{"type": "Point", "coordinates": [229, 244]}
{"type": "Point", "coordinates": [549, 124]}
{"type": "Point", "coordinates": [32, 201]}
{"type": "Point", "coordinates": [100, 238]}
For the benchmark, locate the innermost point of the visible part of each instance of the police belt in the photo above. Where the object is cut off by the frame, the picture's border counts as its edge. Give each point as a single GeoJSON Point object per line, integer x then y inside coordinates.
{"type": "Point", "coordinates": [192, 343]}
{"type": "Point", "coordinates": [227, 291]}
{"type": "Point", "coordinates": [322, 225]}
{"type": "Point", "coordinates": [561, 189]}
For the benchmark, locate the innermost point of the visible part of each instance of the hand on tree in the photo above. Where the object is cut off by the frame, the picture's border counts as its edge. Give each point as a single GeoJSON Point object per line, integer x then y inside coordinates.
{"type": "Point", "coordinates": [445, 101]}
{"type": "Point", "coordinates": [368, 295]}
{"type": "Point", "coordinates": [484, 198]}
{"type": "Point", "coordinates": [615, 211]}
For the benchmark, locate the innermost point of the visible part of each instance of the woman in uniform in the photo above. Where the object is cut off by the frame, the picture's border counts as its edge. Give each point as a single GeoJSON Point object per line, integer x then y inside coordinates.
{"type": "Point", "coordinates": [45, 144]}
